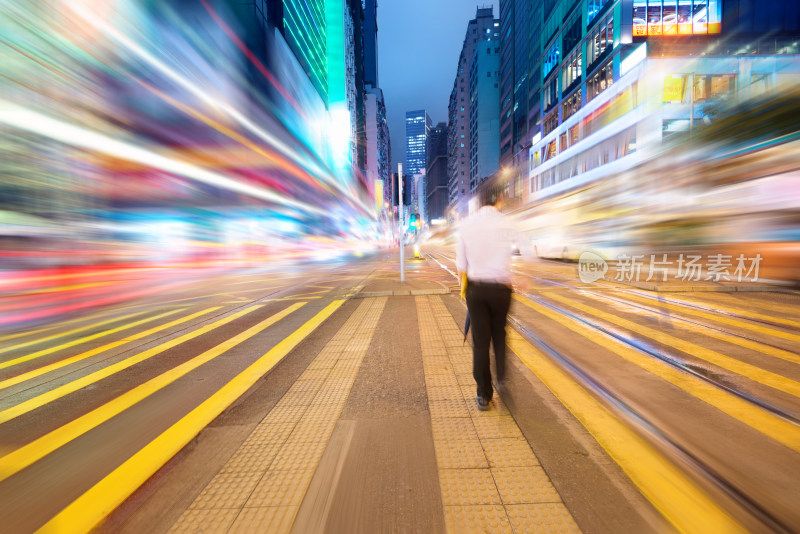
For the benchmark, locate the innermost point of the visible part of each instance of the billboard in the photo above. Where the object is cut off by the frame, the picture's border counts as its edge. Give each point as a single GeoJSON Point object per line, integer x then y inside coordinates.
{"type": "Point", "coordinates": [676, 17]}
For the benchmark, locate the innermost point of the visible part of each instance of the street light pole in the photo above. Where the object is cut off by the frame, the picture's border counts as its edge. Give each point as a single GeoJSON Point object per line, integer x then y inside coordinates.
{"type": "Point", "coordinates": [400, 209]}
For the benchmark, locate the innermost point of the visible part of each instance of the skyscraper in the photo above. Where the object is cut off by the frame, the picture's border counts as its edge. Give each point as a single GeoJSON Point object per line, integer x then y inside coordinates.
{"type": "Point", "coordinates": [371, 43]}
{"type": "Point", "coordinates": [484, 111]}
{"type": "Point", "coordinates": [458, 157]}
{"type": "Point", "coordinates": [303, 24]}
{"type": "Point", "coordinates": [377, 143]}
{"type": "Point", "coordinates": [437, 172]}
{"type": "Point", "coordinates": [418, 126]}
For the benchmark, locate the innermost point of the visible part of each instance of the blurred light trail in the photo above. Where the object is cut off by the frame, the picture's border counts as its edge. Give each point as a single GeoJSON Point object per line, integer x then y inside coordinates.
{"type": "Point", "coordinates": [37, 123]}
{"type": "Point", "coordinates": [219, 105]}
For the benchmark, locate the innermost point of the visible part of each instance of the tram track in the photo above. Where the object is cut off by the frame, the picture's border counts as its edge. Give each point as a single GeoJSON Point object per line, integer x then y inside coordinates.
{"type": "Point", "coordinates": [750, 504]}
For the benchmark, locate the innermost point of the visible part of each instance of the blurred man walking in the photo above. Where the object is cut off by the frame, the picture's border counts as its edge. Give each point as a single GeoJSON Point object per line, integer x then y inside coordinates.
{"type": "Point", "coordinates": [483, 259]}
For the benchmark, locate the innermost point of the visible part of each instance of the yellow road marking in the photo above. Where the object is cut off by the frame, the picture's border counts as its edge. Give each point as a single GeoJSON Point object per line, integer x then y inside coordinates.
{"type": "Point", "coordinates": [757, 418]}
{"type": "Point", "coordinates": [672, 492]}
{"type": "Point", "coordinates": [108, 346]}
{"type": "Point", "coordinates": [747, 370]}
{"type": "Point", "coordinates": [780, 309]}
{"type": "Point", "coordinates": [32, 452]}
{"type": "Point", "coordinates": [68, 288]}
{"type": "Point", "coordinates": [60, 334]}
{"type": "Point", "coordinates": [68, 344]}
{"type": "Point", "coordinates": [82, 382]}
{"type": "Point", "coordinates": [90, 508]}
{"type": "Point", "coordinates": [719, 318]}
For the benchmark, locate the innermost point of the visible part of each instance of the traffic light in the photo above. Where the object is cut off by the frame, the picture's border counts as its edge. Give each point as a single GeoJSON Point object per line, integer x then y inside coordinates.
{"type": "Point", "coordinates": [412, 222]}
{"type": "Point", "coordinates": [406, 189]}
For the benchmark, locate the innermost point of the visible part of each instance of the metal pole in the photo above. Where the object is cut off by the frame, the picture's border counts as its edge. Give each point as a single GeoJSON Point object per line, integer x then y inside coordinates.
{"type": "Point", "coordinates": [691, 105]}
{"type": "Point", "coordinates": [401, 209]}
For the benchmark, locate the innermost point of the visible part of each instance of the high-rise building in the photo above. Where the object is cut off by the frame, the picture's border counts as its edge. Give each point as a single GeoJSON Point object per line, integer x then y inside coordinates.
{"type": "Point", "coordinates": [377, 145]}
{"type": "Point", "coordinates": [483, 26]}
{"type": "Point", "coordinates": [621, 76]}
{"type": "Point", "coordinates": [418, 127]}
{"type": "Point", "coordinates": [484, 111]}
{"type": "Point", "coordinates": [303, 25]}
{"type": "Point", "coordinates": [520, 82]}
{"type": "Point", "coordinates": [436, 173]}
{"type": "Point", "coordinates": [371, 42]}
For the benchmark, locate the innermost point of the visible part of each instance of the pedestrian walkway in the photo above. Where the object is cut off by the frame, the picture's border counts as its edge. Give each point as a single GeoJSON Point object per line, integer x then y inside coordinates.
{"type": "Point", "coordinates": [261, 487]}
{"type": "Point", "coordinates": [489, 479]}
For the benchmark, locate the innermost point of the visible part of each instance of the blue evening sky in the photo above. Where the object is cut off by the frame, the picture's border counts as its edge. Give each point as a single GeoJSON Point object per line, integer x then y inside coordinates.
{"type": "Point", "coordinates": [418, 46]}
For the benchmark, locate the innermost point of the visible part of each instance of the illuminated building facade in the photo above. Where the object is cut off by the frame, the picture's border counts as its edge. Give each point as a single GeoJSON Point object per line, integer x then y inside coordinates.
{"type": "Point", "coordinates": [483, 26]}
{"type": "Point", "coordinates": [484, 111]}
{"type": "Point", "coordinates": [619, 77]}
{"type": "Point", "coordinates": [302, 23]}
{"type": "Point", "coordinates": [418, 127]}
{"type": "Point", "coordinates": [520, 78]}
{"type": "Point", "coordinates": [436, 173]}
{"type": "Point", "coordinates": [377, 145]}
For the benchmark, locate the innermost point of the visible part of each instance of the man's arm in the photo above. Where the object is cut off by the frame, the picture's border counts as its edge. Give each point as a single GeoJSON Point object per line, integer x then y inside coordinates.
{"type": "Point", "coordinates": [461, 263]}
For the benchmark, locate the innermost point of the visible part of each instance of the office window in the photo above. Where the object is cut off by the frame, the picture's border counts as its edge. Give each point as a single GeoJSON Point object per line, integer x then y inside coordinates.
{"type": "Point", "coordinates": [602, 39]}
{"type": "Point", "coordinates": [550, 96]}
{"type": "Point", "coordinates": [600, 81]}
{"type": "Point", "coordinates": [572, 69]}
{"type": "Point", "coordinates": [551, 59]}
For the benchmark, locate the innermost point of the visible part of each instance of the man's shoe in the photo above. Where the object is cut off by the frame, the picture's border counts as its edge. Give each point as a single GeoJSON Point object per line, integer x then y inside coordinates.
{"type": "Point", "coordinates": [483, 404]}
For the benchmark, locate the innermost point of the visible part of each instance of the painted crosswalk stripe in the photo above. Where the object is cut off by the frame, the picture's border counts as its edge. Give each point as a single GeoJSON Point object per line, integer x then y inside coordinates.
{"type": "Point", "coordinates": [757, 418]}
{"type": "Point", "coordinates": [85, 339]}
{"type": "Point", "coordinates": [80, 383]}
{"type": "Point", "coordinates": [23, 457]}
{"type": "Point", "coordinates": [97, 350]}
{"type": "Point", "coordinates": [752, 372]}
{"type": "Point", "coordinates": [720, 318]}
{"type": "Point", "coordinates": [670, 491]}
{"type": "Point", "coordinates": [37, 340]}
{"type": "Point", "coordinates": [90, 508]}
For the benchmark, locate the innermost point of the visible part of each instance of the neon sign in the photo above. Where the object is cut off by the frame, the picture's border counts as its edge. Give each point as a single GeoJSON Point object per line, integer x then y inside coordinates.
{"type": "Point", "coordinates": [676, 17]}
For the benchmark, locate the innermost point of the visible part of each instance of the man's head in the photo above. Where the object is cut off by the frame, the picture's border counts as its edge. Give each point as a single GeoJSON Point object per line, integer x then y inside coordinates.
{"type": "Point", "coordinates": [490, 197]}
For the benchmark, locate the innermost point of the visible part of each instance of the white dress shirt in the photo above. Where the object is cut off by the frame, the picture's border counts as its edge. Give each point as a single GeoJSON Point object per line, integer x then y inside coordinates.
{"type": "Point", "coordinates": [484, 246]}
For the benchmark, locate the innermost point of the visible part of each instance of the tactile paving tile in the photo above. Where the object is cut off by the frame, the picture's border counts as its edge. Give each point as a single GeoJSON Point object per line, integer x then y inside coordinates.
{"type": "Point", "coordinates": [544, 517]}
{"type": "Point", "coordinates": [496, 406]}
{"type": "Point", "coordinates": [270, 432]}
{"type": "Point", "coordinates": [272, 519]}
{"type": "Point", "coordinates": [461, 454]}
{"type": "Point", "coordinates": [255, 458]}
{"type": "Point", "coordinates": [313, 430]}
{"type": "Point", "coordinates": [212, 521]}
{"type": "Point", "coordinates": [478, 519]}
{"type": "Point", "coordinates": [286, 412]}
{"type": "Point", "coordinates": [502, 426]}
{"type": "Point", "coordinates": [509, 452]}
{"type": "Point", "coordinates": [448, 408]}
{"type": "Point", "coordinates": [453, 429]}
{"type": "Point", "coordinates": [281, 488]}
{"type": "Point", "coordinates": [467, 486]}
{"type": "Point", "coordinates": [227, 490]}
{"type": "Point", "coordinates": [314, 374]}
{"type": "Point", "coordinates": [465, 379]}
{"type": "Point", "coordinates": [445, 393]}
{"type": "Point", "coordinates": [519, 485]}
{"type": "Point", "coordinates": [438, 368]}
{"type": "Point", "coordinates": [299, 398]}
{"type": "Point", "coordinates": [298, 455]}
{"type": "Point", "coordinates": [437, 381]}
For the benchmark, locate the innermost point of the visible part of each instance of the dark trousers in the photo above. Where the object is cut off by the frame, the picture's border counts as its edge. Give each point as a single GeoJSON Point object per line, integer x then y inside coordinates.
{"type": "Point", "coordinates": [487, 304]}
